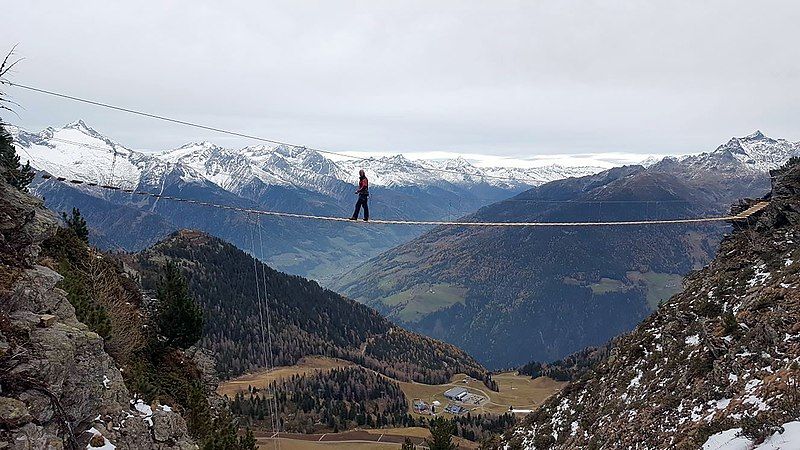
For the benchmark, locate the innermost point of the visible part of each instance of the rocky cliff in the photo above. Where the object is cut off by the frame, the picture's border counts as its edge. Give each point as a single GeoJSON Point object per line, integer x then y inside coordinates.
{"type": "Point", "coordinates": [716, 364]}
{"type": "Point", "coordinates": [58, 386]}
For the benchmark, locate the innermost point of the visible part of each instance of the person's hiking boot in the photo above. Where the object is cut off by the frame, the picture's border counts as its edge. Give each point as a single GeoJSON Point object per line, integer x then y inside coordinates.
{"type": "Point", "coordinates": [354, 218]}
{"type": "Point", "coordinates": [366, 220]}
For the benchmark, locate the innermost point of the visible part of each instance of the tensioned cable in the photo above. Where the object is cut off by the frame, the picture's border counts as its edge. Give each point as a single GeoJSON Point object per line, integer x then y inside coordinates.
{"type": "Point", "coordinates": [245, 135]}
{"type": "Point", "coordinates": [269, 329]}
{"type": "Point", "coordinates": [743, 215]}
{"type": "Point", "coordinates": [267, 364]}
{"type": "Point", "coordinates": [525, 200]}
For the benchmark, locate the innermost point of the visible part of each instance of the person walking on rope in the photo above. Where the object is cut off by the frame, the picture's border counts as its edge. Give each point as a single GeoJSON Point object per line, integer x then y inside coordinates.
{"type": "Point", "coordinates": [363, 195]}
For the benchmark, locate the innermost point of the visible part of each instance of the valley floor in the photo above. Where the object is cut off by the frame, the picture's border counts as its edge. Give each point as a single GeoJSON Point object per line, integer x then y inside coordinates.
{"type": "Point", "coordinates": [387, 438]}
{"type": "Point", "coordinates": [517, 391]}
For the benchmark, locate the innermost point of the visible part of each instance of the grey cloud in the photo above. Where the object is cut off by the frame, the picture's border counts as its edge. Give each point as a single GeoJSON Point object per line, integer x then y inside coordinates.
{"type": "Point", "coordinates": [503, 78]}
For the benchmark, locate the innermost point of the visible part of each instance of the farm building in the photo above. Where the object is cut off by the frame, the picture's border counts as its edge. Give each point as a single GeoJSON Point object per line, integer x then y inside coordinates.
{"type": "Point", "coordinates": [455, 409]}
{"type": "Point", "coordinates": [456, 393]}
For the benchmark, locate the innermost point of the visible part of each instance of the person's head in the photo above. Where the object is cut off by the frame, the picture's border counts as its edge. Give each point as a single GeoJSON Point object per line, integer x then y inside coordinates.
{"type": "Point", "coordinates": [361, 173]}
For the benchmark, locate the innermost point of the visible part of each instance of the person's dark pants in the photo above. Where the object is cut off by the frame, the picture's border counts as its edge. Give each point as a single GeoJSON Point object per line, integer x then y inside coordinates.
{"type": "Point", "coordinates": [362, 201]}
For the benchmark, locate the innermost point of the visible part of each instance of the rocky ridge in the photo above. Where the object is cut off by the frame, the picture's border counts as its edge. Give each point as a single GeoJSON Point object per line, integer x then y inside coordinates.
{"type": "Point", "coordinates": [58, 386]}
{"type": "Point", "coordinates": [718, 361]}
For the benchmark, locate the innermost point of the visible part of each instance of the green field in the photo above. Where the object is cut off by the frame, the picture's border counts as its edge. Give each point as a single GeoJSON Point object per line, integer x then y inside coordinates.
{"type": "Point", "coordinates": [608, 285]}
{"type": "Point", "coordinates": [414, 304]}
{"type": "Point", "coordinates": [657, 286]}
{"type": "Point", "coordinates": [660, 286]}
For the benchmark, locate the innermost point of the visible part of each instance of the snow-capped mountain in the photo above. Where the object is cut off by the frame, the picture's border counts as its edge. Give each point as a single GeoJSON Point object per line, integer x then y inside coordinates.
{"type": "Point", "coordinates": [78, 151]}
{"type": "Point", "coordinates": [754, 153]}
{"type": "Point", "coordinates": [283, 178]}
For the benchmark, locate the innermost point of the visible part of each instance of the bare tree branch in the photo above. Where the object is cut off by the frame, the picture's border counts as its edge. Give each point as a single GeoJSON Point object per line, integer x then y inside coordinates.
{"type": "Point", "coordinates": [5, 67]}
{"type": "Point", "coordinates": [7, 64]}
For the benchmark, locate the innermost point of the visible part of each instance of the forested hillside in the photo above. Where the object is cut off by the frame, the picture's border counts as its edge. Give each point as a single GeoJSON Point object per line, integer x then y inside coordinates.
{"type": "Point", "coordinates": [306, 319]}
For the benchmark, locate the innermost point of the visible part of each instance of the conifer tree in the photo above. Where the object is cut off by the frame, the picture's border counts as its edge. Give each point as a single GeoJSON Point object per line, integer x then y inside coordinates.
{"type": "Point", "coordinates": [14, 173]}
{"type": "Point", "coordinates": [441, 434]}
{"type": "Point", "coordinates": [180, 319]}
{"type": "Point", "coordinates": [11, 170]}
{"type": "Point", "coordinates": [77, 223]}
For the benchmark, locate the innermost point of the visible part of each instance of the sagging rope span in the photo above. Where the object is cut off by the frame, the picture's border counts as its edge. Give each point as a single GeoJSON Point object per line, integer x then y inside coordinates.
{"type": "Point", "coordinates": [737, 217]}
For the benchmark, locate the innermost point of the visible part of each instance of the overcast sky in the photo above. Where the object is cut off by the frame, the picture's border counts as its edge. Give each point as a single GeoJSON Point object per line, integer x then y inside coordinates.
{"type": "Point", "coordinates": [521, 79]}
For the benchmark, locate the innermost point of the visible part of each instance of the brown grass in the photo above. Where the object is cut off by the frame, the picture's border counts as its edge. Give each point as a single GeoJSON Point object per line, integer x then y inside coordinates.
{"type": "Point", "coordinates": [519, 391]}
{"type": "Point", "coordinates": [291, 444]}
{"type": "Point", "coordinates": [262, 379]}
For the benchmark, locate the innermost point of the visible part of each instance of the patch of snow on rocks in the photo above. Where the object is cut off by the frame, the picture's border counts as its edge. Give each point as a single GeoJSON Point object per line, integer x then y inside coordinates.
{"type": "Point", "coordinates": [107, 445]}
{"type": "Point", "coordinates": [732, 440]}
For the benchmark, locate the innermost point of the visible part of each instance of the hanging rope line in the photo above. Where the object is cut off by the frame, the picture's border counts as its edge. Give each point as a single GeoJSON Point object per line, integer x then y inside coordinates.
{"type": "Point", "coordinates": [741, 216]}
{"type": "Point", "coordinates": [266, 360]}
{"type": "Point", "coordinates": [273, 392]}
{"type": "Point", "coordinates": [250, 136]}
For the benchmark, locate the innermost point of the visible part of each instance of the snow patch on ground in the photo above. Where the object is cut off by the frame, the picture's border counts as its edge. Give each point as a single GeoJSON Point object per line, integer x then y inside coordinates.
{"type": "Point", "coordinates": [732, 440]}
{"type": "Point", "coordinates": [144, 409]}
{"type": "Point", "coordinates": [107, 445]}
{"type": "Point", "coordinates": [760, 275]}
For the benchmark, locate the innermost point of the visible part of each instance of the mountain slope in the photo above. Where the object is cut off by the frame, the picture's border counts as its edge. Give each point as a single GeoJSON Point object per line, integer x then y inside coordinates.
{"type": "Point", "coordinates": [305, 318]}
{"type": "Point", "coordinates": [719, 359]}
{"type": "Point", "coordinates": [282, 178]}
{"type": "Point", "coordinates": [510, 295]}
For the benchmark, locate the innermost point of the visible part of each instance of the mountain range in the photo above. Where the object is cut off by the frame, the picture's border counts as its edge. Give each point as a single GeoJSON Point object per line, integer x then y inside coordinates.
{"type": "Point", "coordinates": [279, 177]}
{"type": "Point", "coordinates": [508, 295]}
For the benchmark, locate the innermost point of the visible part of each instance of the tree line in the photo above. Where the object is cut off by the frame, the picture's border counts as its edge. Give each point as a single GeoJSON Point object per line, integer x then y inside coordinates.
{"type": "Point", "coordinates": [326, 401]}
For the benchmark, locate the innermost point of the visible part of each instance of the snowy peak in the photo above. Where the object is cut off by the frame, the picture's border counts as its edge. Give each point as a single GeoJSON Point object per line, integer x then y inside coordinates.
{"type": "Point", "coordinates": [755, 136]}
{"type": "Point", "coordinates": [79, 125]}
{"type": "Point", "coordinates": [80, 151]}
{"type": "Point", "coordinates": [758, 152]}
{"type": "Point", "coordinates": [78, 130]}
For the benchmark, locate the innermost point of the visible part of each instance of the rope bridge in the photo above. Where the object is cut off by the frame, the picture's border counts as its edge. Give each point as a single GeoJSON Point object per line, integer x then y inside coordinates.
{"type": "Point", "coordinates": [737, 217]}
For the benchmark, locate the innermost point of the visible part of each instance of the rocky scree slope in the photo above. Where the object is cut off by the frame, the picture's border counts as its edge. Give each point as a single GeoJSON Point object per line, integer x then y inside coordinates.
{"type": "Point", "coordinates": [719, 359]}
{"type": "Point", "coordinates": [58, 386]}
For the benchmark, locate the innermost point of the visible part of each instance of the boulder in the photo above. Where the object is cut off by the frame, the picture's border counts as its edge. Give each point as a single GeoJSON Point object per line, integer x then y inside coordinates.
{"type": "Point", "coordinates": [13, 413]}
{"type": "Point", "coordinates": [168, 426]}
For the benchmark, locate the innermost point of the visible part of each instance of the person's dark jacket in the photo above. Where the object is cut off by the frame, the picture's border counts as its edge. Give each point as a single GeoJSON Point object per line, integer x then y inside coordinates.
{"type": "Point", "coordinates": [363, 186]}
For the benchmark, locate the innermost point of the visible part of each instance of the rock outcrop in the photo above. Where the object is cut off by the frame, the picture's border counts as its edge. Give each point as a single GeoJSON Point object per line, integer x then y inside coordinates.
{"type": "Point", "coordinates": [719, 359]}
{"type": "Point", "coordinates": [58, 386]}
